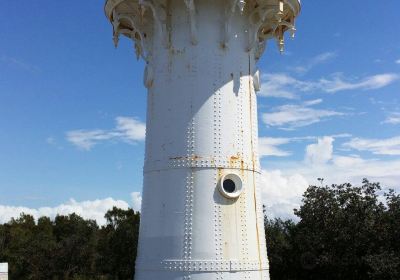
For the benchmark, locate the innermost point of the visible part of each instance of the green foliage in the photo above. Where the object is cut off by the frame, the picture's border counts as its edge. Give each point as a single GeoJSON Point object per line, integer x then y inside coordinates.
{"type": "Point", "coordinates": [343, 232]}
{"type": "Point", "coordinates": [70, 247]}
{"type": "Point", "coordinates": [118, 244]}
{"type": "Point", "coordinates": [280, 248]}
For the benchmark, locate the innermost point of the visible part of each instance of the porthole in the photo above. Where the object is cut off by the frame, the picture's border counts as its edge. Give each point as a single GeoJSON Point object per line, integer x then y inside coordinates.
{"type": "Point", "coordinates": [230, 185]}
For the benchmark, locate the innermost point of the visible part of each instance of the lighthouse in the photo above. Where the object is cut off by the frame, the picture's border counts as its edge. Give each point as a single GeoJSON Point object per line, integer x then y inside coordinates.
{"type": "Point", "coordinates": [201, 216]}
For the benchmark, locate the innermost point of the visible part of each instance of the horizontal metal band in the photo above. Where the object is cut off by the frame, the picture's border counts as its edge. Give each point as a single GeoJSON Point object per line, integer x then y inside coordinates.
{"type": "Point", "coordinates": [203, 265]}
{"type": "Point", "coordinates": [183, 162]}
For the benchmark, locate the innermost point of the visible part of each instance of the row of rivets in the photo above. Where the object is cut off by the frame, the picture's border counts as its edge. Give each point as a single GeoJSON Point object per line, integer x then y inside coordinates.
{"type": "Point", "coordinates": [188, 222]}
{"type": "Point", "coordinates": [217, 99]}
{"type": "Point", "coordinates": [187, 254]}
{"type": "Point", "coordinates": [201, 265]}
{"type": "Point", "coordinates": [196, 163]}
{"type": "Point", "coordinates": [208, 163]}
{"type": "Point", "coordinates": [244, 197]}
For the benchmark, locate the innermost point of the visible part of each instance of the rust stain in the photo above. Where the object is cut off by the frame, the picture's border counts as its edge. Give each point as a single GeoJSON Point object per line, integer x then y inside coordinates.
{"type": "Point", "coordinates": [257, 227]}
{"type": "Point", "coordinates": [235, 161]}
{"type": "Point", "coordinates": [232, 161]}
{"type": "Point", "coordinates": [174, 51]}
{"type": "Point", "coordinates": [177, 158]}
{"type": "Point", "coordinates": [213, 162]}
{"type": "Point", "coordinates": [253, 163]}
{"type": "Point", "coordinates": [194, 157]}
{"type": "Point", "coordinates": [219, 173]}
{"type": "Point", "coordinates": [235, 157]}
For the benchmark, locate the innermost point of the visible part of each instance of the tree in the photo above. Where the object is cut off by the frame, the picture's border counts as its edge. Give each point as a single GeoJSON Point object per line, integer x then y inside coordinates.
{"type": "Point", "coordinates": [344, 232]}
{"type": "Point", "coordinates": [76, 246]}
{"type": "Point", "coordinates": [338, 230]}
{"type": "Point", "coordinates": [279, 236]}
{"type": "Point", "coordinates": [18, 246]}
{"type": "Point", "coordinates": [118, 243]}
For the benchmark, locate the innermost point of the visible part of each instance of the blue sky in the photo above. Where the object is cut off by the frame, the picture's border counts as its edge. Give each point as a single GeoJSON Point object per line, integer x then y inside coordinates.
{"type": "Point", "coordinates": [72, 107]}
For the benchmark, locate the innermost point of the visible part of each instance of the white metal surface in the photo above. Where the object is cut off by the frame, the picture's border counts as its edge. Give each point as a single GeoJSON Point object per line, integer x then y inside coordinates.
{"type": "Point", "coordinates": [3, 271]}
{"type": "Point", "coordinates": [201, 131]}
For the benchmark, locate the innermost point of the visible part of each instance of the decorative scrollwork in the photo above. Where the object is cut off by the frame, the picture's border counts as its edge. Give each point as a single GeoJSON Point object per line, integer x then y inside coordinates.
{"type": "Point", "coordinates": [140, 20]}
{"type": "Point", "coordinates": [272, 19]}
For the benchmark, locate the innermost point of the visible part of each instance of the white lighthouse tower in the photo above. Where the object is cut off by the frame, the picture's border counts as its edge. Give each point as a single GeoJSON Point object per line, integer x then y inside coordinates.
{"type": "Point", "coordinates": [202, 213]}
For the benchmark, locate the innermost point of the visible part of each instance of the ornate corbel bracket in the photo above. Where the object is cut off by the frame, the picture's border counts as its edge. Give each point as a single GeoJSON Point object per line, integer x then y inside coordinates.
{"type": "Point", "coordinates": [280, 30]}
{"type": "Point", "coordinates": [148, 21]}
{"type": "Point", "coordinates": [134, 32]}
{"type": "Point", "coordinates": [160, 18]}
{"type": "Point", "coordinates": [257, 19]}
{"type": "Point", "coordinates": [271, 19]}
{"type": "Point", "coordinates": [116, 28]}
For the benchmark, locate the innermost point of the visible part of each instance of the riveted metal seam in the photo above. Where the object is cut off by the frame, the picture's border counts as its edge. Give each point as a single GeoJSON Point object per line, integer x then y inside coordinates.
{"type": "Point", "coordinates": [245, 241]}
{"type": "Point", "coordinates": [189, 190]}
{"type": "Point", "coordinates": [216, 152]}
{"type": "Point", "coordinates": [202, 265]}
{"type": "Point", "coordinates": [199, 162]}
{"type": "Point", "coordinates": [189, 200]}
{"type": "Point", "coordinates": [244, 252]}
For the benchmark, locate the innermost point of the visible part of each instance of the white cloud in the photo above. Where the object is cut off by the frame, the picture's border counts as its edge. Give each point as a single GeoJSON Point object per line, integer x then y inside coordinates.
{"type": "Point", "coordinates": [277, 85]}
{"type": "Point", "coordinates": [131, 129]}
{"type": "Point", "coordinates": [50, 140]}
{"type": "Point", "coordinates": [86, 139]}
{"type": "Point", "coordinates": [323, 57]}
{"type": "Point", "coordinates": [318, 59]}
{"type": "Point", "coordinates": [282, 193]}
{"type": "Point", "coordinates": [398, 61]}
{"type": "Point", "coordinates": [320, 152]}
{"type": "Point", "coordinates": [371, 82]}
{"type": "Point", "coordinates": [340, 168]}
{"type": "Point", "coordinates": [127, 129]}
{"type": "Point", "coordinates": [312, 102]}
{"type": "Point", "coordinates": [393, 118]}
{"type": "Point", "coordinates": [284, 85]}
{"type": "Point", "coordinates": [90, 209]}
{"type": "Point", "coordinates": [285, 182]}
{"type": "Point", "coordinates": [347, 161]}
{"type": "Point", "coordinates": [351, 169]}
{"type": "Point", "coordinates": [136, 201]}
{"type": "Point", "coordinates": [388, 146]}
{"type": "Point", "coordinates": [19, 64]}
{"type": "Point", "coordinates": [268, 146]}
{"type": "Point", "coordinates": [294, 116]}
